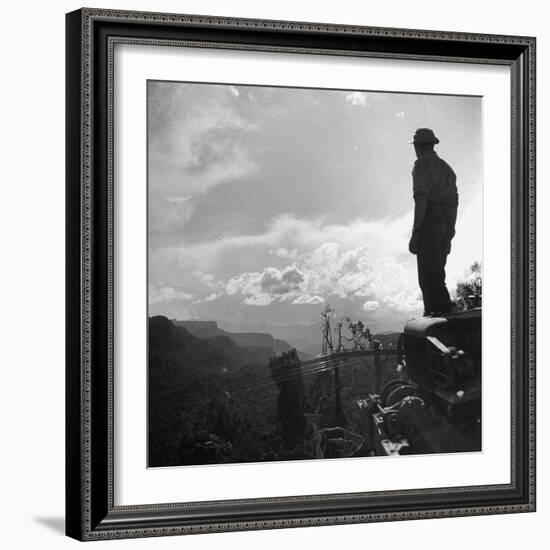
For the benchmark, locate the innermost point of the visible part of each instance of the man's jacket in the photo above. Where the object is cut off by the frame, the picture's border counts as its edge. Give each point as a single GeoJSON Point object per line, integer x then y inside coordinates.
{"type": "Point", "coordinates": [435, 181]}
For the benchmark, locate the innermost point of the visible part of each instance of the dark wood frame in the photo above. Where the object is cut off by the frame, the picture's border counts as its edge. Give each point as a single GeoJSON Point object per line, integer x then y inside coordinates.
{"type": "Point", "coordinates": [90, 510]}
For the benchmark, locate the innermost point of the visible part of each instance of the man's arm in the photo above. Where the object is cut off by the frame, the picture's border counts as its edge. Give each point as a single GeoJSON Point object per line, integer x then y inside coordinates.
{"type": "Point", "coordinates": [420, 206]}
{"type": "Point", "coordinates": [421, 193]}
{"type": "Point", "coordinates": [450, 233]}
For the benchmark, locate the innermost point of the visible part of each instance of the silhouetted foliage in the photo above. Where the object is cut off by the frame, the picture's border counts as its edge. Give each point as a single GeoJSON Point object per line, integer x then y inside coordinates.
{"type": "Point", "coordinates": [286, 373]}
{"type": "Point", "coordinates": [361, 336]}
{"type": "Point", "coordinates": [469, 291]}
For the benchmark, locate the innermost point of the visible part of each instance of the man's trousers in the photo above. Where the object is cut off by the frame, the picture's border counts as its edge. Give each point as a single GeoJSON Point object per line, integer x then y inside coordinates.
{"type": "Point", "coordinates": [431, 259]}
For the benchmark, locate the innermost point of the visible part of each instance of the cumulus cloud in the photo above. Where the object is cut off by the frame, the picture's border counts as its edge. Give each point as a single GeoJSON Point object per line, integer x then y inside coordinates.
{"type": "Point", "coordinates": [297, 261]}
{"type": "Point", "coordinates": [212, 297]}
{"type": "Point", "coordinates": [267, 286]}
{"type": "Point", "coordinates": [205, 286]}
{"type": "Point", "coordinates": [159, 295]}
{"type": "Point", "coordinates": [330, 272]}
{"type": "Point", "coordinates": [282, 252]}
{"type": "Point", "coordinates": [287, 237]}
{"type": "Point", "coordinates": [308, 299]}
{"type": "Point", "coordinates": [281, 282]}
{"type": "Point", "coordinates": [207, 278]}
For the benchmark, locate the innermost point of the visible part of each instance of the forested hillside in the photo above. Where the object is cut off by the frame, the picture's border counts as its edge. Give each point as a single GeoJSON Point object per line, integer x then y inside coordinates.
{"type": "Point", "coordinates": [213, 401]}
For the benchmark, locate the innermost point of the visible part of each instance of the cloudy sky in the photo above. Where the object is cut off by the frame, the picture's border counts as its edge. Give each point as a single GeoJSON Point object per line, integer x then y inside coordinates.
{"type": "Point", "coordinates": [266, 203]}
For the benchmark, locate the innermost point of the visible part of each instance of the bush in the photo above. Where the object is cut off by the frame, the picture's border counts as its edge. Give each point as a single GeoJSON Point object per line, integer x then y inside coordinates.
{"type": "Point", "coordinates": [468, 292]}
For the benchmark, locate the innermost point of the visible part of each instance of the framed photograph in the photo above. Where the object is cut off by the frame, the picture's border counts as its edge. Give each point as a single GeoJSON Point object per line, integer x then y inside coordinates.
{"type": "Point", "coordinates": [300, 274]}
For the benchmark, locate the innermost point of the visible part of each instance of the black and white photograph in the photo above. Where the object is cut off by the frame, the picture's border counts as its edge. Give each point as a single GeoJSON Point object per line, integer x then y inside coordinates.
{"type": "Point", "coordinates": [315, 273]}
{"type": "Point", "coordinates": [300, 275]}
{"type": "Point", "coordinates": [270, 275]}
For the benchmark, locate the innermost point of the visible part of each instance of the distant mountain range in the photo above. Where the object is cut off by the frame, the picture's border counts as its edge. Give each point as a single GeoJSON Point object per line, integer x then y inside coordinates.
{"type": "Point", "coordinates": [175, 354]}
{"type": "Point", "coordinates": [209, 329]}
{"type": "Point", "coordinates": [194, 418]}
{"type": "Point", "coordinates": [306, 339]}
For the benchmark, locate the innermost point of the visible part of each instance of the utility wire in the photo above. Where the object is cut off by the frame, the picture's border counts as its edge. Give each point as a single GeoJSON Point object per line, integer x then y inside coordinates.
{"type": "Point", "coordinates": [327, 363]}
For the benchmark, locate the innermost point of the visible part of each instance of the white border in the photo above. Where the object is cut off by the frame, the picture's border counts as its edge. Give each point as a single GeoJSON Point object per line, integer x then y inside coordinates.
{"type": "Point", "coordinates": [134, 483]}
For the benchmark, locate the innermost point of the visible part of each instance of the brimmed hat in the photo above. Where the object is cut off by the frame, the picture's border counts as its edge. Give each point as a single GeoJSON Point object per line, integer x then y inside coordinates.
{"type": "Point", "coordinates": [424, 135]}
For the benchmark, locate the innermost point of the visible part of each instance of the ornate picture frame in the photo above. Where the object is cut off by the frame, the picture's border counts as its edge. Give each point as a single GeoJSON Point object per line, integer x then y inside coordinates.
{"type": "Point", "coordinates": [91, 509]}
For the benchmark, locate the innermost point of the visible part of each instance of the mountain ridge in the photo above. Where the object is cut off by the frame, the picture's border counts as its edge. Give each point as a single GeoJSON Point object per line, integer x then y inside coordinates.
{"type": "Point", "coordinates": [209, 329]}
{"type": "Point", "coordinates": [306, 339]}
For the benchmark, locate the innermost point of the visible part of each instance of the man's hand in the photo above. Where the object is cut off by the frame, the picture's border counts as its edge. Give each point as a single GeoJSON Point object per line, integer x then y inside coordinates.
{"type": "Point", "coordinates": [413, 243]}
{"type": "Point", "coordinates": [420, 208]}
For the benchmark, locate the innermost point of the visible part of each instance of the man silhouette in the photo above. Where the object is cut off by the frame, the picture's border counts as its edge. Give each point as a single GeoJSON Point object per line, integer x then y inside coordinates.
{"type": "Point", "coordinates": [435, 209]}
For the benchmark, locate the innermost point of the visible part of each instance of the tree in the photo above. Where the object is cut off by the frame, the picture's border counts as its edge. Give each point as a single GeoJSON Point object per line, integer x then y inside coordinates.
{"type": "Point", "coordinates": [287, 374]}
{"type": "Point", "coordinates": [360, 335]}
{"type": "Point", "coordinates": [468, 292]}
{"type": "Point", "coordinates": [326, 316]}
